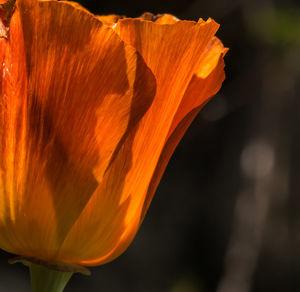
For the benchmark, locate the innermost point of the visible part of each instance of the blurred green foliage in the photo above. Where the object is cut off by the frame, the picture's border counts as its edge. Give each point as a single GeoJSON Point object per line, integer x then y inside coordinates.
{"type": "Point", "coordinates": [275, 25]}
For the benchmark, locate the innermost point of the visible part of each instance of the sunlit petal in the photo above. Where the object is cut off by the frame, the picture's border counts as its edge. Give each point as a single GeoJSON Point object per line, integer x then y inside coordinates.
{"type": "Point", "coordinates": [79, 97]}
{"type": "Point", "coordinates": [177, 54]}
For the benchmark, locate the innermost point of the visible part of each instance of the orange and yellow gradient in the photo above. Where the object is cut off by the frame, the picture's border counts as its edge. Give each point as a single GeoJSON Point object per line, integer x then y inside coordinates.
{"type": "Point", "coordinates": [91, 110]}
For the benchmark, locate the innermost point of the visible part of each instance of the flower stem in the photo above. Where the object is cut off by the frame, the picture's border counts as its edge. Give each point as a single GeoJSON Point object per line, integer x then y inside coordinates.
{"type": "Point", "coordinates": [46, 280]}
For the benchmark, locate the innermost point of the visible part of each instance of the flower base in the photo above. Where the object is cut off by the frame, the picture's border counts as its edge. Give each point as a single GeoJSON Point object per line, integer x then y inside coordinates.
{"type": "Point", "coordinates": [49, 276]}
{"type": "Point", "coordinates": [45, 280]}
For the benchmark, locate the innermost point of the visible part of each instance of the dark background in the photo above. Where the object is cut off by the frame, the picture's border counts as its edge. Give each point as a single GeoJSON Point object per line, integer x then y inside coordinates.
{"type": "Point", "coordinates": [226, 216]}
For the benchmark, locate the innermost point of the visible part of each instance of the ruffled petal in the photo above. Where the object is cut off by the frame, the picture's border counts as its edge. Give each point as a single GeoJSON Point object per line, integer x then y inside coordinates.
{"type": "Point", "coordinates": [166, 19]}
{"type": "Point", "coordinates": [204, 85]}
{"type": "Point", "coordinates": [109, 20]}
{"type": "Point", "coordinates": [178, 55]}
{"type": "Point", "coordinates": [112, 19]}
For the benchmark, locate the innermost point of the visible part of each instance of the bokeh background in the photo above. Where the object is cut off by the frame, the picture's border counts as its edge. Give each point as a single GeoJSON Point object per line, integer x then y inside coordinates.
{"type": "Point", "coordinates": [226, 216]}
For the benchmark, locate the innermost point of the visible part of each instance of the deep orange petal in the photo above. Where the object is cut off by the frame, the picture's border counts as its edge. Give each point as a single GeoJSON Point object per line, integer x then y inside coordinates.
{"type": "Point", "coordinates": [201, 88]}
{"type": "Point", "coordinates": [83, 142]}
{"type": "Point", "coordinates": [13, 88]}
{"type": "Point", "coordinates": [82, 96]}
{"type": "Point", "coordinates": [176, 54]}
{"type": "Point", "coordinates": [167, 19]}
{"type": "Point", "coordinates": [109, 20]}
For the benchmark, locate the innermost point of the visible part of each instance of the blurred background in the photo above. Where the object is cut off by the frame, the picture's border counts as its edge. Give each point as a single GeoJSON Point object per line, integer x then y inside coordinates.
{"type": "Point", "coordinates": [226, 216]}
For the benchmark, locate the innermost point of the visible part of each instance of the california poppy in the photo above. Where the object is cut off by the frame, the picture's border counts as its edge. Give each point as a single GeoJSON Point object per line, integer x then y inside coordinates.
{"type": "Point", "coordinates": [92, 108]}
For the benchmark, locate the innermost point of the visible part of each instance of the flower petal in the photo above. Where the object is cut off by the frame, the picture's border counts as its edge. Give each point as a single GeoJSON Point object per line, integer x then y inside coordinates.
{"type": "Point", "coordinates": [109, 20]}
{"type": "Point", "coordinates": [166, 19]}
{"type": "Point", "coordinates": [112, 19]}
{"type": "Point", "coordinates": [175, 53]}
{"type": "Point", "coordinates": [200, 90]}
{"type": "Point", "coordinates": [205, 83]}
{"type": "Point", "coordinates": [13, 87]}
{"type": "Point", "coordinates": [83, 96]}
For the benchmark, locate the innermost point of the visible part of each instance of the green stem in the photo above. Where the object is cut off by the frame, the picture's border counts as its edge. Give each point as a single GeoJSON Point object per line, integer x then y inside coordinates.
{"type": "Point", "coordinates": [46, 280]}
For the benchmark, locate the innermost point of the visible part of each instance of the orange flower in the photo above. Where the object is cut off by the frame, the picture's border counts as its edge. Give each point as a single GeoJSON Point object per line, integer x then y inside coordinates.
{"type": "Point", "coordinates": [91, 111]}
